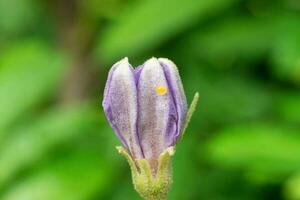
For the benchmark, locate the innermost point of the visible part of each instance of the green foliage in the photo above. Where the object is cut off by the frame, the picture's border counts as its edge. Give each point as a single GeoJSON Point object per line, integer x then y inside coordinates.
{"type": "Point", "coordinates": [220, 92]}
{"type": "Point", "coordinates": [243, 57]}
{"type": "Point", "coordinates": [146, 24]}
{"type": "Point", "coordinates": [29, 73]}
{"type": "Point", "coordinates": [264, 148]}
{"type": "Point", "coordinates": [226, 42]}
{"type": "Point", "coordinates": [29, 144]}
{"type": "Point", "coordinates": [94, 9]}
{"type": "Point", "coordinates": [288, 106]}
{"type": "Point", "coordinates": [17, 16]}
{"type": "Point", "coordinates": [75, 177]}
{"type": "Point", "coordinates": [292, 188]}
{"type": "Point", "coordinates": [286, 51]}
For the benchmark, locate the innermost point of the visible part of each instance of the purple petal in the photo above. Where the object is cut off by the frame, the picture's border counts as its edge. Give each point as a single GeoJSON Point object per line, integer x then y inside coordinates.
{"type": "Point", "coordinates": [157, 112]}
{"type": "Point", "coordinates": [137, 73]}
{"type": "Point", "coordinates": [176, 87]}
{"type": "Point", "coordinates": [120, 105]}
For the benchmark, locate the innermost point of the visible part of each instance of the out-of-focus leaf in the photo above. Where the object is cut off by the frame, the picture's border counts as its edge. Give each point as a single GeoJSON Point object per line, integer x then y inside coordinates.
{"type": "Point", "coordinates": [292, 187]}
{"type": "Point", "coordinates": [76, 177]}
{"type": "Point", "coordinates": [29, 73]}
{"type": "Point", "coordinates": [225, 97]}
{"type": "Point", "coordinates": [31, 143]}
{"type": "Point", "coordinates": [125, 189]}
{"type": "Point", "coordinates": [263, 149]}
{"type": "Point", "coordinates": [95, 9]}
{"type": "Point", "coordinates": [230, 39]}
{"type": "Point", "coordinates": [145, 24]}
{"type": "Point", "coordinates": [286, 54]}
{"type": "Point", "coordinates": [183, 163]}
{"type": "Point", "coordinates": [288, 106]}
{"type": "Point", "coordinates": [17, 15]}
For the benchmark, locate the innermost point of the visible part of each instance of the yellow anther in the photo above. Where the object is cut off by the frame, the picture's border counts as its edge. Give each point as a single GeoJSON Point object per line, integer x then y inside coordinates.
{"type": "Point", "coordinates": [161, 90]}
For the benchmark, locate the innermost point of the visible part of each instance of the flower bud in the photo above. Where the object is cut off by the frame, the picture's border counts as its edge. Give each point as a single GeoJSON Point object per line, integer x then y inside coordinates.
{"type": "Point", "coordinates": [147, 109]}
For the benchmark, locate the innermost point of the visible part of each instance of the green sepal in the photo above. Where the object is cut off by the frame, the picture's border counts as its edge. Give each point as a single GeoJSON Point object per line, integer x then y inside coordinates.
{"type": "Point", "coordinates": [151, 186]}
{"type": "Point", "coordinates": [190, 112]}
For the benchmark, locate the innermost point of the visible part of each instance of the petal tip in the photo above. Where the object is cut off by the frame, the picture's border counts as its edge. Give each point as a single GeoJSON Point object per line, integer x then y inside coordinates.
{"type": "Point", "coordinates": [167, 62]}
{"type": "Point", "coordinates": [151, 61]}
{"type": "Point", "coordinates": [152, 64]}
{"type": "Point", "coordinates": [123, 61]}
{"type": "Point", "coordinates": [122, 67]}
{"type": "Point", "coordinates": [164, 60]}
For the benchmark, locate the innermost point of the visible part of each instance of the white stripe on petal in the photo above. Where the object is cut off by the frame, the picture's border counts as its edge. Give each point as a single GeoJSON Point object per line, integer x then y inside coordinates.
{"type": "Point", "coordinates": [154, 108]}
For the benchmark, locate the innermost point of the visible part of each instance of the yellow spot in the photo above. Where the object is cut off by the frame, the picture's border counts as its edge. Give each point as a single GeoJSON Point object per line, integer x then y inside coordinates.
{"type": "Point", "coordinates": [161, 90]}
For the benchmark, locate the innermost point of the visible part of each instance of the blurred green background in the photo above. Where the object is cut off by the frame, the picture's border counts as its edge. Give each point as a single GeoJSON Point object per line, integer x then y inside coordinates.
{"type": "Point", "coordinates": [243, 56]}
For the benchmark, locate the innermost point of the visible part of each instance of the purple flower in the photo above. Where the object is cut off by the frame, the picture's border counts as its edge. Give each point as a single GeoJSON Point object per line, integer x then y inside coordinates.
{"type": "Point", "coordinates": [148, 111]}
{"type": "Point", "coordinates": [145, 106]}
